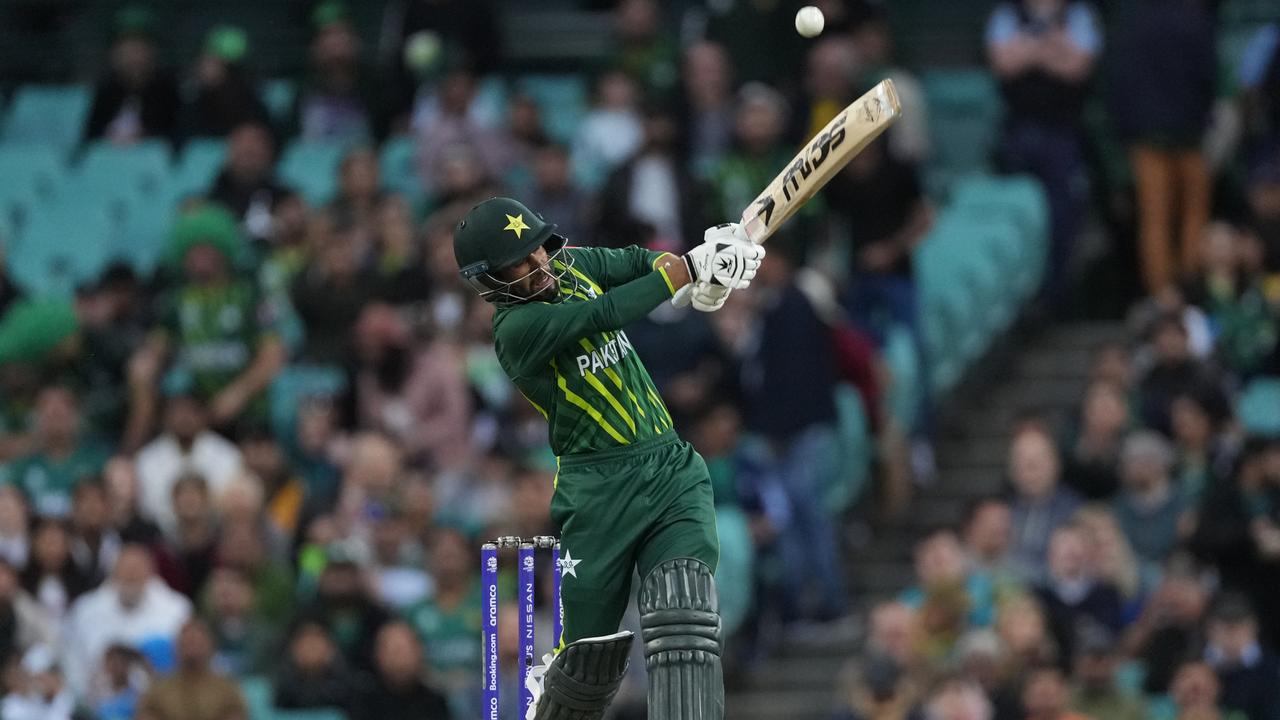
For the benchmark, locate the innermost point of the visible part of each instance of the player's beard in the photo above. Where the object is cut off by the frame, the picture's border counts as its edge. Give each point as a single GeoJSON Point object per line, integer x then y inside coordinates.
{"type": "Point", "coordinates": [551, 291]}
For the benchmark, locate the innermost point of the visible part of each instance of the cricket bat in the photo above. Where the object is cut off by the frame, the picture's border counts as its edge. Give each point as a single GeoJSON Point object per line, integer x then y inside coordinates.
{"type": "Point", "coordinates": [820, 159]}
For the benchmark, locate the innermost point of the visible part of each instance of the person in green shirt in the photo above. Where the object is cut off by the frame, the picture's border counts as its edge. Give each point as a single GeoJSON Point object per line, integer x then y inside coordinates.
{"type": "Point", "coordinates": [220, 329]}
{"type": "Point", "coordinates": [63, 456]}
{"type": "Point", "coordinates": [448, 621]}
{"type": "Point", "coordinates": [630, 495]}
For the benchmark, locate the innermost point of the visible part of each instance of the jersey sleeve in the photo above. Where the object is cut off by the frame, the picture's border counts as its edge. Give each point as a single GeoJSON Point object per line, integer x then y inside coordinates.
{"type": "Point", "coordinates": [528, 336]}
{"type": "Point", "coordinates": [611, 267]}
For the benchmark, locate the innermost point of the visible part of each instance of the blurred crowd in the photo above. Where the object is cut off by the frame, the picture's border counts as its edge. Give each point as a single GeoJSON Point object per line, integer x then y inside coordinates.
{"type": "Point", "coordinates": [276, 456]}
{"type": "Point", "coordinates": [1130, 570]}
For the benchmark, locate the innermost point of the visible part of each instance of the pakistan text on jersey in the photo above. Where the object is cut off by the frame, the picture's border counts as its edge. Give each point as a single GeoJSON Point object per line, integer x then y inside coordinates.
{"type": "Point", "coordinates": [608, 354]}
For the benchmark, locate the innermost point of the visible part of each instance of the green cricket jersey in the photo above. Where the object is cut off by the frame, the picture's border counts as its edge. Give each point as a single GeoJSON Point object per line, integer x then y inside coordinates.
{"type": "Point", "coordinates": [572, 360]}
{"type": "Point", "coordinates": [217, 331]}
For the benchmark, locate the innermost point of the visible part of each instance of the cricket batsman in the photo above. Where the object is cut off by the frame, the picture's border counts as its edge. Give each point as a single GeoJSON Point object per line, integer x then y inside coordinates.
{"type": "Point", "coordinates": [630, 495]}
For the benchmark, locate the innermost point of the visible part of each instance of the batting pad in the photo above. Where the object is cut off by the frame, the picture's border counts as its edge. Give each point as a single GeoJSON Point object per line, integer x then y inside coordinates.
{"type": "Point", "coordinates": [680, 627]}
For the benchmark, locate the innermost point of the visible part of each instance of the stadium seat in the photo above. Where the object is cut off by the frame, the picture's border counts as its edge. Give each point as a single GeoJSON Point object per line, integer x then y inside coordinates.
{"type": "Point", "coordinates": [257, 697]}
{"type": "Point", "coordinates": [1259, 408]}
{"type": "Point", "coordinates": [904, 393]}
{"type": "Point", "coordinates": [64, 245]}
{"type": "Point", "coordinates": [135, 172]}
{"type": "Point", "coordinates": [964, 119]}
{"type": "Point", "coordinates": [51, 115]}
{"type": "Point", "coordinates": [563, 100]}
{"type": "Point", "coordinates": [855, 451]}
{"type": "Point", "coordinates": [278, 96]}
{"type": "Point", "coordinates": [296, 384]}
{"type": "Point", "coordinates": [311, 168]}
{"type": "Point", "coordinates": [735, 574]}
{"type": "Point", "coordinates": [198, 166]}
{"type": "Point", "coordinates": [40, 169]}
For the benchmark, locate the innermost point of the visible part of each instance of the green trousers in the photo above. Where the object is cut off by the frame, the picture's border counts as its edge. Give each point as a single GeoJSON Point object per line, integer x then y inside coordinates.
{"type": "Point", "coordinates": [623, 511]}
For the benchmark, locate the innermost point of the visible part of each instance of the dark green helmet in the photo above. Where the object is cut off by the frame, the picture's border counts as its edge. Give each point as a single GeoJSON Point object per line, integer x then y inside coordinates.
{"type": "Point", "coordinates": [496, 234]}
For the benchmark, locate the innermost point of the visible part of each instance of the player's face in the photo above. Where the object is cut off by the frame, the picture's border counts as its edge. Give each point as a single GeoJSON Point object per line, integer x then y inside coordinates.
{"type": "Point", "coordinates": [530, 278]}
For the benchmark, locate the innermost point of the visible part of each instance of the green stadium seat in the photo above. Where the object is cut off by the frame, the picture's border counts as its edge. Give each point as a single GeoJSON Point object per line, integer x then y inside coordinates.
{"type": "Point", "coordinates": [278, 95]}
{"type": "Point", "coordinates": [39, 169]}
{"type": "Point", "coordinates": [198, 165]}
{"type": "Point", "coordinates": [64, 245]}
{"type": "Point", "coordinates": [311, 168]}
{"type": "Point", "coordinates": [735, 574]}
{"type": "Point", "coordinates": [48, 115]}
{"type": "Point", "coordinates": [905, 388]}
{"type": "Point", "coordinates": [296, 384]}
{"type": "Point", "coordinates": [145, 227]}
{"type": "Point", "coordinates": [855, 451]}
{"type": "Point", "coordinates": [1259, 407]}
{"type": "Point", "coordinates": [257, 697]}
{"type": "Point", "coordinates": [964, 118]}
{"type": "Point", "coordinates": [133, 172]}
{"type": "Point", "coordinates": [563, 100]}
{"type": "Point", "coordinates": [399, 163]}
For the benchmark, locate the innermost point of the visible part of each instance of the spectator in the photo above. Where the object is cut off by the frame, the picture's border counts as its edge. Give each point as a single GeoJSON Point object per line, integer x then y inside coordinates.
{"type": "Point", "coordinates": [344, 606]}
{"type": "Point", "coordinates": [118, 688]}
{"type": "Point", "coordinates": [247, 185]}
{"type": "Point", "coordinates": [446, 128]}
{"type": "Point", "coordinates": [1258, 81]}
{"type": "Point", "coordinates": [831, 69]}
{"type": "Point", "coordinates": [337, 99]}
{"type": "Point", "coordinates": [15, 543]}
{"type": "Point", "coordinates": [63, 454]}
{"type": "Point", "coordinates": [398, 693]}
{"type": "Point", "coordinates": [398, 577]}
{"type": "Point", "coordinates": [330, 294]}
{"type": "Point", "coordinates": [245, 640]}
{"type": "Point", "coordinates": [219, 327]}
{"type": "Point", "coordinates": [1201, 454]}
{"type": "Point", "coordinates": [959, 699]}
{"type": "Point", "coordinates": [40, 692]}
{"type": "Point", "coordinates": [121, 481]}
{"type": "Point", "coordinates": [942, 572]}
{"type": "Point", "coordinates": [1150, 508]}
{"type": "Point", "coordinates": [1172, 372]}
{"type": "Point", "coordinates": [1169, 629]}
{"type": "Point", "coordinates": [1096, 693]}
{"type": "Point", "coordinates": [445, 621]}
{"type": "Point", "coordinates": [554, 192]}
{"type": "Point", "coordinates": [1262, 191]}
{"type": "Point", "coordinates": [135, 99]}
{"type": "Point", "coordinates": [134, 606]}
{"type": "Point", "coordinates": [26, 624]}
{"type": "Point", "coordinates": [1112, 559]}
{"type": "Point", "coordinates": [195, 691]}
{"type": "Point", "coordinates": [186, 446]}
{"type": "Point", "coordinates": [650, 199]}
{"type": "Point", "coordinates": [893, 633]}
{"type": "Point", "coordinates": [1040, 504]}
{"type": "Point", "coordinates": [95, 544]}
{"type": "Point", "coordinates": [982, 658]}
{"type": "Point", "coordinates": [611, 132]}
{"type": "Point", "coordinates": [1044, 696]}
{"type": "Point", "coordinates": [1164, 57]}
{"type": "Point", "coordinates": [417, 395]}
{"type": "Point", "coordinates": [359, 189]}
{"type": "Point", "coordinates": [1024, 632]}
{"type": "Point", "coordinates": [1043, 53]}
{"type": "Point", "coordinates": [52, 577]}
{"type": "Point", "coordinates": [287, 497]}
{"type": "Point", "coordinates": [243, 545]}
{"type": "Point", "coordinates": [1195, 694]}
{"type": "Point", "coordinates": [887, 215]}
{"type": "Point", "coordinates": [1246, 669]}
{"type": "Point", "coordinates": [1072, 594]}
{"type": "Point", "coordinates": [314, 674]}
{"type": "Point", "coordinates": [706, 115]}
{"type": "Point", "coordinates": [909, 140]}
{"type": "Point", "coordinates": [643, 50]}
{"type": "Point", "coordinates": [789, 401]}
{"type": "Point", "coordinates": [195, 533]}
{"type": "Point", "coordinates": [877, 688]}
{"type": "Point", "coordinates": [224, 95]}
{"type": "Point", "coordinates": [987, 538]}
{"type": "Point", "coordinates": [1092, 465]}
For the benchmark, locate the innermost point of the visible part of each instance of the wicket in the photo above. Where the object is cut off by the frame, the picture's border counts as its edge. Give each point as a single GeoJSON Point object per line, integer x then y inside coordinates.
{"type": "Point", "coordinates": [525, 551]}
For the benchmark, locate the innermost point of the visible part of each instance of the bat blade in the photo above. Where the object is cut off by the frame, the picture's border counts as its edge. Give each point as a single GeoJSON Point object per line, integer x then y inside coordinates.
{"type": "Point", "coordinates": [848, 133]}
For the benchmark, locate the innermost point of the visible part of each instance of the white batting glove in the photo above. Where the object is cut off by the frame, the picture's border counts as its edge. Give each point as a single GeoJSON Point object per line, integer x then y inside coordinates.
{"type": "Point", "coordinates": [726, 258]}
{"type": "Point", "coordinates": [707, 297]}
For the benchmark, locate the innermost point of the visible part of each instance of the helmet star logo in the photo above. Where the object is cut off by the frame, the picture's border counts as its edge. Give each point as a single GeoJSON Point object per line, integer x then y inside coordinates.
{"type": "Point", "coordinates": [516, 224]}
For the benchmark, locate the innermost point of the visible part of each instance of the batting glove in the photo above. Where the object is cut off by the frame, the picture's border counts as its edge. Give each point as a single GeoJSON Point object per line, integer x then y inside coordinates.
{"type": "Point", "coordinates": [725, 258]}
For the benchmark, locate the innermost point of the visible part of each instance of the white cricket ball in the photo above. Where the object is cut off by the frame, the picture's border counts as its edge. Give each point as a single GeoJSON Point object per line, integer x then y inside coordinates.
{"type": "Point", "coordinates": [809, 21]}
